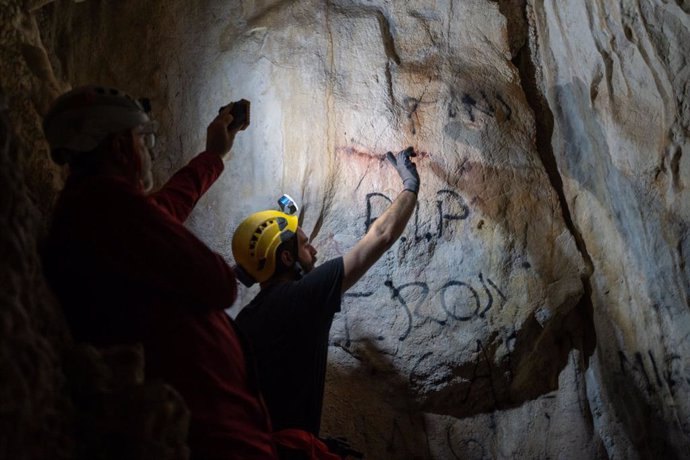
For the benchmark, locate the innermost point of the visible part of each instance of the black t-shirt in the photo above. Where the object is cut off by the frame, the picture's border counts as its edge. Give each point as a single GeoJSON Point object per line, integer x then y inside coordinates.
{"type": "Point", "coordinates": [287, 325]}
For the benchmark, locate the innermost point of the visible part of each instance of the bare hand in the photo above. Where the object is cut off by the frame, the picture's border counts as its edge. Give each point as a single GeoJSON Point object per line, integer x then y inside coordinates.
{"type": "Point", "coordinates": [220, 135]}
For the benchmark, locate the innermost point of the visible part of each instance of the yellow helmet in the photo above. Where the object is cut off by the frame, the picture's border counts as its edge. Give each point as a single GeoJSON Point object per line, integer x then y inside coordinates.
{"type": "Point", "coordinates": [256, 240]}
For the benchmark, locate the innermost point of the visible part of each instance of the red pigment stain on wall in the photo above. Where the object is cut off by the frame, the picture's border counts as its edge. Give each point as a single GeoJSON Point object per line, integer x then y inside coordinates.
{"type": "Point", "coordinates": [361, 154]}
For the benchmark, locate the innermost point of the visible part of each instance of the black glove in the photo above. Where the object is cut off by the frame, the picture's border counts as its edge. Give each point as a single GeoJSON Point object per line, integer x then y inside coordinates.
{"type": "Point", "coordinates": [406, 169]}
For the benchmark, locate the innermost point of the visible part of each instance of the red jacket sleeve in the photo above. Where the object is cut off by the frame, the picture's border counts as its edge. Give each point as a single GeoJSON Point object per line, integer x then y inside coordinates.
{"type": "Point", "coordinates": [182, 191]}
{"type": "Point", "coordinates": [107, 232]}
{"type": "Point", "coordinates": [159, 252]}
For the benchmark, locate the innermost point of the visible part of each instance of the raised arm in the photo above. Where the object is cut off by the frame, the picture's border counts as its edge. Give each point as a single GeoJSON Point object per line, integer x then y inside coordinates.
{"type": "Point", "coordinates": [181, 193]}
{"type": "Point", "coordinates": [387, 228]}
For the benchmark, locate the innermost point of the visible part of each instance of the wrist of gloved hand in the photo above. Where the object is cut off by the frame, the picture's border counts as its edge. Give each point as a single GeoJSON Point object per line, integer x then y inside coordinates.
{"type": "Point", "coordinates": [411, 184]}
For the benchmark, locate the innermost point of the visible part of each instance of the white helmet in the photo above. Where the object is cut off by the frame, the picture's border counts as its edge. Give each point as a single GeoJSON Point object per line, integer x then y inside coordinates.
{"type": "Point", "coordinates": [79, 120]}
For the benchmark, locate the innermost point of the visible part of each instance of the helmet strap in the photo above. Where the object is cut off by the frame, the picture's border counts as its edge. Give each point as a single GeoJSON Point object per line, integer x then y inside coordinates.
{"type": "Point", "coordinates": [244, 277]}
{"type": "Point", "coordinates": [299, 271]}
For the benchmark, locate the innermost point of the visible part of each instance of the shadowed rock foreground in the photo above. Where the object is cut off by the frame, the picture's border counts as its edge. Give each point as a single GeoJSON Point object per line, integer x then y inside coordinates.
{"type": "Point", "coordinates": [538, 305]}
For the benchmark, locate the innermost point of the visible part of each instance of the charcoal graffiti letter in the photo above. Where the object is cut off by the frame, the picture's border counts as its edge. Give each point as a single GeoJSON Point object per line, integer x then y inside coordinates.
{"type": "Point", "coordinates": [452, 308]}
{"type": "Point", "coordinates": [372, 199]}
{"type": "Point", "coordinates": [395, 294]}
{"type": "Point", "coordinates": [453, 202]}
{"type": "Point", "coordinates": [638, 367]}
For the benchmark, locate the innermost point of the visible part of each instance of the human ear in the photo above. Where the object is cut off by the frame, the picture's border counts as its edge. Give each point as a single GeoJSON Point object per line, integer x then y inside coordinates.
{"type": "Point", "coordinates": [120, 148]}
{"type": "Point", "coordinates": [286, 258]}
{"type": "Point", "coordinates": [125, 158]}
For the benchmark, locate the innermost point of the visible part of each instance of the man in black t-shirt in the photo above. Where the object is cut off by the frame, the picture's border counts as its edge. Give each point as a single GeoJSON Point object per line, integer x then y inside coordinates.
{"type": "Point", "coordinates": [288, 322]}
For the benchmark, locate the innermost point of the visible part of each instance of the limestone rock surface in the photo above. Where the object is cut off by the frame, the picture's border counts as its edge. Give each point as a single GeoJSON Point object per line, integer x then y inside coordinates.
{"type": "Point", "coordinates": [487, 269]}
{"type": "Point", "coordinates": [462, 314]}
{"type": "Point", "coordinates": [616, 79]}
{"type": "Point", "coordinates": [38, 414]}
{"type": "Point", "coordinates": [34, 412]}
{"type": "Point", "coordinates": [553, 214]}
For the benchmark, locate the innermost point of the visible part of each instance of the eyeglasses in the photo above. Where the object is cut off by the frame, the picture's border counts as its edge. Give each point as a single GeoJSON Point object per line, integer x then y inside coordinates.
{"type": "Point", "coordinates": [148, 133]}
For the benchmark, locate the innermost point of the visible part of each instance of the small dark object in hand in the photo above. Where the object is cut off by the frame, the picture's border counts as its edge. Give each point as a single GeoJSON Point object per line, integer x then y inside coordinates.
{"type": "Point", "coordinates": [240, 114]}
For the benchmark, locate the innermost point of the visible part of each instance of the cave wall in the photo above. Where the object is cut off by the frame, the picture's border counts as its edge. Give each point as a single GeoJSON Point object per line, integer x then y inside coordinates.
{"type": "Point", "coordinates": [58, 400]}
{"type": "Point", "coordinates": [615, 75]}
{"type": "Point", "coordinates": [34, 411]}
{"type": "Point", "coordinates": [553, 207]}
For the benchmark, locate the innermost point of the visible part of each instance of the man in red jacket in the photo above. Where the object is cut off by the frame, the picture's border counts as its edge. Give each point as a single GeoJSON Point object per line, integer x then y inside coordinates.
{"type": "Point", "coordinates": [126, 270]}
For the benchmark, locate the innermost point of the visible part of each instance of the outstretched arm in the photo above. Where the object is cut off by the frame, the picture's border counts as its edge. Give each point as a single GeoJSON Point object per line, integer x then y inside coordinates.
{"type": "Point", "coordinates": [181, 193]}
{"type": "Point", "coordinates": [387, 228]}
